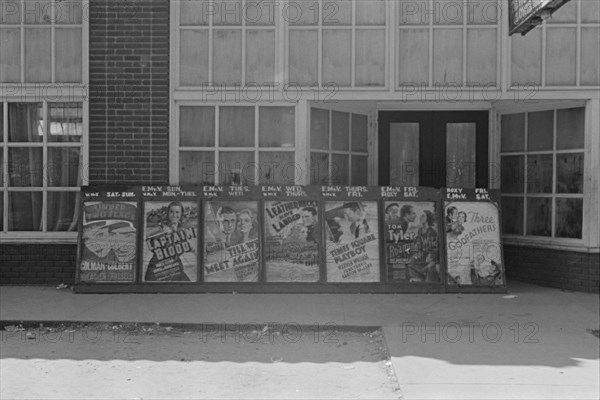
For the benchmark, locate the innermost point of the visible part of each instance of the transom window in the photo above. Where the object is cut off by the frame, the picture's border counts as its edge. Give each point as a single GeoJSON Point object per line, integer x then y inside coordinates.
{"type": "Point", "coordinates": [237, 145]}
{"type": "Point", "coordinates": [542, 156]}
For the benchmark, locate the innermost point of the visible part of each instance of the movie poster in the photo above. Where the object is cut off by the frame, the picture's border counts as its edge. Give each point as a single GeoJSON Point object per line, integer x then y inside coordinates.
{"type": "Point", "coordinates": [231, 246]}
{"type": "Point", "coordinates": [170, 241]}
{"type": "Point", "coordinates": [292, 241]}
{"type": "Point", "coordinates": [411, 230]}
{"type": "Point", "coordinates": [109, 242]}
{"type": "Point", "coordinates": [473, 243]}
{"type": "Point", "coordinates": [352, 241]}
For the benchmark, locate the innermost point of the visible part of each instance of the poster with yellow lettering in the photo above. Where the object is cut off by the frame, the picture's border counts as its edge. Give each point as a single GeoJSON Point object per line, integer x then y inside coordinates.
{"type": "Point", "coordinates": [170, 241]}
{"type": "Point", "coordinates": [352, 241]}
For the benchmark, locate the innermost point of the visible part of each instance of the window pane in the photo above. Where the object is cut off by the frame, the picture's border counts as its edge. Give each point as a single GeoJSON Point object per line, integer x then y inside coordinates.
{"type": "Point", "coordinates": [513, 174]}
{"type": "Point", "coordinates": [39, 12]}
{"type": "Point", "coordinates": [63, 166]}
{"type": "Point", "coordinates": [446, 12]}
{"type": "Point", "coordinates": [276, 127]}
{"type": "Point", "coordinates": [340, 130]}
{"type": "Point", "coordinates": [196, 126]}
{"type": "Point", "coordinates": [10, 55]}
{"type": "Point", "coordinates": [319, 129]}
{"type": "Point", "coordinates": [236, 126]}
{"type": "Point", "coordinates": [513, 132]}
{"type": "Point", "coordinates": [197, 168]}
{"type": "Point", "coordinates": [404, 153]}
{"type": "Point", "coordinates": [360, 170]}
{"type": "Point", "coordinates": [369, 12]}
{"type": "Point", "coordinates": [69, 12]}
{"type": "Point", "coordinates": [359, 132]}
{"type": "Point", "coordinates": [62, 211]}
{"type": "Point", "coordinates": [302, 13]}
{"type": "Point", "coordinates": [540, 128]}
{"type": "Point", "coordinates": [237, 168]}
{"type": "Point", "coordinates": [261, 12]}
{"type": "Point", "coordinates": [278, 168]}
{"type": "Point", "coordinates": [569, 173]}
{"type": "Point", "coordinates": [414, 12]}
{"type": "Point", "coordinates": [25, 122]}
{"type": "Point", "coordinates": [68, 55]}
{"type": "Point", "coordinates": [337, 56]}
{"type": "Point", "coordinates": [337, 12]}
{"type": "Point", "coordinates": [194, 12]}
{"type": "Point", "coordinates": [590, 58]}
{"type": "Point", "coordinates": [193, 68]}
{"type": "Point", "coordinates": [481, 57]}
{"type": "Point", "coordinates": [413, 45]}
{"type": "Point", "coordinates": [303, 57]}
{"type": "Point", "coordinates": [1, 174]}
{"type": "Point", "coordinates": [482, 12]}
{"type": "Point", "coordinates": [569, 128]}
{"type": "Point", "coordinates": [25, 166]}
{"type": "Point", "coordinates": [260, 56]}
{"type": "Point", "coordinates": [1, 210]}
{"type": "Point", "coordinates": [11, 11]}
{"type": "Point", "coordinates": [319, 169]}
{"type": "Point", "coordinates": [512, 215]}
{"type": "Point", "coordinates": [460, 154]}
{"type": "Point", "coordinates": [227, 12]}
{"type": "Point", "coordinates": [447, 56]}
{"type": "Point", "coordinates": [561, 50]}
{"type": "Point", "coordinates": [539, 173]}
{"type": "Point", "coordinates": [339, 169]}
{"type": "Point", "coordinates": [569, 218]}
{"type": "Point", "coordinates": [590, 11]}
{"type": "Point", "coordinates": [25, 211]}
{"type": "Point", "coordinates": [567, 13]}
{"type": "Point", "coordinates": [65, 122]}
{"type": "Point", "coordinates": [539, 214]}
{"type": "Point", "coordinates": [227, 60]}
{"type": "Point", "coordinates": [370, 58]}
{"type": "Point", "coordinates": [38, 61]}
{"type": "Point", "coordinates": [526, 58]}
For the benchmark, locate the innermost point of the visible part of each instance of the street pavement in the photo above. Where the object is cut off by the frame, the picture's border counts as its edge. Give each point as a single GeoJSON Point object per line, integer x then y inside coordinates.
{"type": "Point", "coordinates": [531, 343]}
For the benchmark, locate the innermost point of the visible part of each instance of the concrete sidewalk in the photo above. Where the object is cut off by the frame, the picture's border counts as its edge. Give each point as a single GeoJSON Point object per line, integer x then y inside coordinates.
{"type": "Point", "coordinates": [531, 343]}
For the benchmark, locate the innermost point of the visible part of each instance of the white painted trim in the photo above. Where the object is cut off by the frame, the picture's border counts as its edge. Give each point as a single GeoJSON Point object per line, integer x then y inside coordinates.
{"type": "Point", "coordinates": [302, 142]}
{"type": "Point", "coordinates": [591, 212]}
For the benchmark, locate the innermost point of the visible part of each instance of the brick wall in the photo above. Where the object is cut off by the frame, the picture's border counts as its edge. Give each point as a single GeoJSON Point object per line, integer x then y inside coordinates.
{"type": "Point", "coordinates": [37, 264]}
{"type": "Point", "coordinates": [553, 268]}
{"type": "Point", "coordinates": [129, 91]}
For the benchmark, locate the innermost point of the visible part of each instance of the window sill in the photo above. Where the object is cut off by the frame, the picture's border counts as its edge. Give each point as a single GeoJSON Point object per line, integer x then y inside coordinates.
{"type": "Point", "coordinates": [576, 245]}
{"type": "Point", "coordinates": [38, 237]}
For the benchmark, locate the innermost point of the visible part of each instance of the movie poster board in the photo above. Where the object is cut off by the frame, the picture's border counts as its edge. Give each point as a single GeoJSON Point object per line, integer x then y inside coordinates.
{"type": "Point", "coordinates": [170, 242]}
{"type": "Point", "coordinates": [231, 236]}
{"type": "Point", "coordinates": [351, 234]}
{"type": "Point", "coordinates": [473, 238]}
{"type": "Point", "coordinates": [411, 230]}
{"type": "Point", "coordinates": [108, 237]}
{"type": "Point", "coordinates": [292, 229]}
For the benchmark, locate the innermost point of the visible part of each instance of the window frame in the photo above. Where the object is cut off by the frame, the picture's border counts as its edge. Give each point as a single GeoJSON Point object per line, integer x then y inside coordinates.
{"type": "Point", "coordinates": [590, 242]}
{"type": "Point", "coordinates": [46, 92]}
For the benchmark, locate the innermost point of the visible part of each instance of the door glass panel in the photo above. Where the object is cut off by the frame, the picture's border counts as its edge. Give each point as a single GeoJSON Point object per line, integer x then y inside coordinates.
{"type": "Point", "coordinates": [404, 154]}
{"type": "Point", "coordinates": [460, 154]}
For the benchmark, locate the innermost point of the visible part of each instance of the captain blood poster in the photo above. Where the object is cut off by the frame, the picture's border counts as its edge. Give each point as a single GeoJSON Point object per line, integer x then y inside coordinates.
{"type": "Point", "coordinates": [292, 241]}
{"type": "Point", "coordinates": [170, 241]}
{"type": "Point", "coordinates": [109, 241]}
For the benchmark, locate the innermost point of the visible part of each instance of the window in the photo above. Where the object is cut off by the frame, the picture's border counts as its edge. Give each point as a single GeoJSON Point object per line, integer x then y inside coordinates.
{"type": "Point", "coordinates": [542, 157]}
{"type": "Point", "coordinates": [226, 42]}
{"type": "Point", "coordinates": [339, 149]}
{"type": "Point", "coordinates": [42, 146]}
{"type": "Point", "coordinates": [337, 42]}
{"type": "Point", "coordinates": [237, 145]}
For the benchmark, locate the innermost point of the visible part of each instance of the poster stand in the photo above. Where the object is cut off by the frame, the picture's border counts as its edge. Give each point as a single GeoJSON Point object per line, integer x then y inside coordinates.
{"type": "Point", "coordinates": [278, 239]}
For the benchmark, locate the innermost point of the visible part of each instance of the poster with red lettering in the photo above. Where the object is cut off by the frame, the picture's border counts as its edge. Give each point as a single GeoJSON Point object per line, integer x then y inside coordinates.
{"type": "Point", "coordinates": [108, 242]}
{"type": "Point", "coordinates": [170, 241]}
{"type": "Point", "coordinates": [412, 251]}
